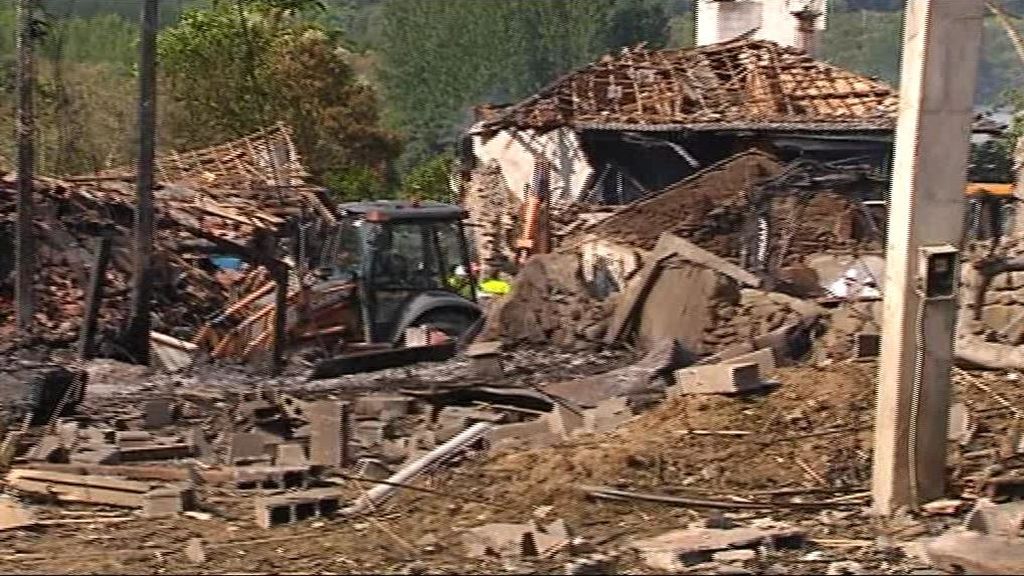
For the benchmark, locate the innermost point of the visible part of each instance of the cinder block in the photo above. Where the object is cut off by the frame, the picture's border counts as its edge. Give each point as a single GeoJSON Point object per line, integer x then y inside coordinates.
{"type": "Point", "coordinates": [329, 435]}
{"type": "Point", "coordinates": [270, 477]}
{"type": "Point", "coordinates": [290, 455]}
{"type": "Point", "coordinates": [297, 506]}
{"type": "Point", "coordinates": [125, 438]}
{"type": "Point", "coordinates": [162, 502]}
{"type": "Point", "coordinates": [717, 379]}
{"type": "Point", "coordinates": [246, 446]}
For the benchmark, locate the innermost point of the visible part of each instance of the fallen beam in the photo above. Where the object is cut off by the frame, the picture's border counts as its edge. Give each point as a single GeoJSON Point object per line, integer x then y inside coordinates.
{"type": "Point", "coordinates": [371, 360]}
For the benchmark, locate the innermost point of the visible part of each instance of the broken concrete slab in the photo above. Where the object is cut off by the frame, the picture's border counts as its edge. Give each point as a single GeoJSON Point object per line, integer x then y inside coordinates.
{"type": "Point", "coordinates": [996, 519]}
{"type": "Point", "coordinates": [14, 514]}
{"type": "Point", "coordinates": [162, 502]}
{"type": "Point", "coordinates": [675, 550]}
{"type": "Point", "coordinates": [531, 433]}
{"type": "Point", "coordinates": [968, 552]}
{"type": "Point", "coordinates": [648, 375]}
{"type": "Point", "coordinates": [372, 469]}
{"type": "Point", "coordinates": [562, 421]}
{"type": "Point", "coordinates": [499, 540]}
{"type": "Point", "coordinates": [607, 415]}
{"type": "Point", "coordinates": [717, 379]}
{"type": "Point", "coordinates": [96, 489]}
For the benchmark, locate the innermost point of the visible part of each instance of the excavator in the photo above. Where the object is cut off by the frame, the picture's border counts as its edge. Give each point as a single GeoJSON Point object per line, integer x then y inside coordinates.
{"type": "Point", "coordinates": [392, 284]}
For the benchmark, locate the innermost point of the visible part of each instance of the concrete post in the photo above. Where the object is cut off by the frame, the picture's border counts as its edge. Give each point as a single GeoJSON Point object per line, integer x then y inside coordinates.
{"type": "Point", "coordinates": [940, 60]}
{"type": "Point", "coordinates": [139, 321]}
{"type": "Point", "coordinates": [25, 256]}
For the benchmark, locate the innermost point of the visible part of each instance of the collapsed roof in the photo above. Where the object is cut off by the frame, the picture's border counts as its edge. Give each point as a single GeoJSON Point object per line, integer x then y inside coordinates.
{"type": "Point", "coordinates": [738, 84]}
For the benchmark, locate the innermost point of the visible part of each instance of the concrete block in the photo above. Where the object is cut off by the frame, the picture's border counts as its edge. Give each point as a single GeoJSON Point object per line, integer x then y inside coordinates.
{"type": "Point", "coordinates": [676, 550]}
{"type": "Point", "coordinates": [764, 358]}
{"type": "Point", "coordinates": [50, 448]}
{"type": "Point", "coordinates": [478, 349]}
{"type": "Point", "coordinates": [14, 515]}
{"type": "Point", "coordinates": [246, 446]}
{"type": "Point", "coordinates": [194, 551]}
{"type": "Point", "coordinates": [201, 449]}
{"type": "Point", "coordinates": [372, 469]}
{"type": "Point", "coordinates": [996, 519]}
{"type": "Point", "coordinates": [270, 477]}
{"type": "Point", "coordinates": [143, 452]}
{"type": "Point", "coordinates": [966, 552]}
{"type": "Point", "coordinates": [740, 555]}
{"type": "Point", "coordinates": [297, 506]}
{"type": "Point", "coordinates": [330, 433]}
{"type": "Point", "coordinates": [132, 438]}
{"type": "Point", "coordinates": [162, 502]}
{"type": "Point", "coordinates": [158, 413]}
{"type": "Point", "coordinates": [717, 379]}
{"type": "Point", "coordinates": [383, 406]}
{"type": "Point", "coordinates": [417, 336]}
{"type": "Point", "coordinates": [499, 540]}
{"type": "Point", "coordinates": [961, 423]}
{"type": "Point", "coordinates": [562, 422]}
{"type": "Point", "coordinates": [290, 455]}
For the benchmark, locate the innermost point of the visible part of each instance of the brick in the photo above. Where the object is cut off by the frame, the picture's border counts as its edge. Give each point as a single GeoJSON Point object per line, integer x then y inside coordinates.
{"type": "Point", "coordinates": [290, 455]}
{"type": "Point", "coordinates": [717, 379]}
{"type": "Point", "coordinates": [158, 413]}
{"type": "Point", "coordinates": [329, 435]}
{"type": "Point", "coordinates": [246, 446]}
{"type": "Point", "coordinates": [297, 506]}
{"type": "Point", "coordinates": [764, 358]}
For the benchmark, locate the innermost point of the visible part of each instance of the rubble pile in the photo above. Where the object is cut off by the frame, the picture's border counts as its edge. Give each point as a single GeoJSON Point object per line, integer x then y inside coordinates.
{"type": "Point", "coordinates": [225, 195]}
{"type": "Point", "coordinates": [550, 304]}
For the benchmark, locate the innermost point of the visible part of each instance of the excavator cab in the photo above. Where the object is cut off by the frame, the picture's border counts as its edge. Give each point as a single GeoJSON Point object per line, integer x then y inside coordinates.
{"type": "Point", "coordinates": [411, 264]}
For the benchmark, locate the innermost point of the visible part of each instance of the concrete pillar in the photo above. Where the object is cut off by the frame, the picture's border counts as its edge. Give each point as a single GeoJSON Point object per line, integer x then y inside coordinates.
{"type": "Point", "coordinates": [940, 60]}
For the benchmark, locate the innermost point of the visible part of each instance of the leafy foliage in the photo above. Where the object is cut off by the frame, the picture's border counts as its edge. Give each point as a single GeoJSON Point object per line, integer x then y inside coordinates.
{"type": "Point", "coordinates": [430, 180]}
{"type": "Point", "coordinates": [231, 71]}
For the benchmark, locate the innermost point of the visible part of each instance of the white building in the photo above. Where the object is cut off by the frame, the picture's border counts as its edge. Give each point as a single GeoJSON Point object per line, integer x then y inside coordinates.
{"type": "Point", "coordinates": [796, 23]}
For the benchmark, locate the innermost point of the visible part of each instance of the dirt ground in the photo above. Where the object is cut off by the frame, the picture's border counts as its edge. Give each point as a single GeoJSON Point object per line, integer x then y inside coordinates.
{"type": "Point", "coordinates": [810, 434]}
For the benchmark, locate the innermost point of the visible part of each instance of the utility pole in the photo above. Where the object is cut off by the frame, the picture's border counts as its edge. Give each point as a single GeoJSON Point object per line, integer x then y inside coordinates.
{"type": "Point", "coordinates": [25, 249]}
{"type": "Point", "coordinates": [926, 207]}
{"type": "Point", "coordinates": [137, 336]}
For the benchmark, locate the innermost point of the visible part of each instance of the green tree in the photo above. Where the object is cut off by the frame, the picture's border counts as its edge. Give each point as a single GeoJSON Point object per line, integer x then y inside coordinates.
{"type": "Point", "coordinates": [431, 179]}
{"type": "Point", "coordinates": [237, 67]}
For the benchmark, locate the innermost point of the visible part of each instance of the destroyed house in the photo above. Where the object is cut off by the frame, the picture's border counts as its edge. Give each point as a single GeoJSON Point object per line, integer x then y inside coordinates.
{"type": "Point", "coordinates": [233, 199]}
{"type": "Point", "coordinates": [633, 124]}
